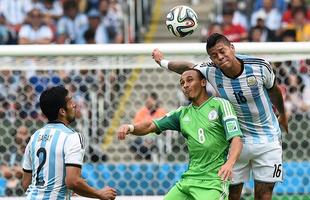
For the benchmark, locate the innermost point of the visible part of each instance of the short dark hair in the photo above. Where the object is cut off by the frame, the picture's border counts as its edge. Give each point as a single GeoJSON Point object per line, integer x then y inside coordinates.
{"type": "Point", "coordinates": [200, 75]}
{"type": "Point", "coordinates": [51, 100]}
{"type": "Point", "coordinates": [214, 38]}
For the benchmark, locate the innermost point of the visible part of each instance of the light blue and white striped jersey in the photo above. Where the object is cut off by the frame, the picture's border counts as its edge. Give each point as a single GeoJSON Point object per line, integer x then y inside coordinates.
{"type": "Point", "coordinates": [48, 152]}
{"type": "Point", "coordinates": [248, 95]}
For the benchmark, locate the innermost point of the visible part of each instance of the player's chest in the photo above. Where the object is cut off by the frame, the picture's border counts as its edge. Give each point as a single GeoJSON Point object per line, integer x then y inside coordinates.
{"type": "Point", "coordinates": [244, 89]}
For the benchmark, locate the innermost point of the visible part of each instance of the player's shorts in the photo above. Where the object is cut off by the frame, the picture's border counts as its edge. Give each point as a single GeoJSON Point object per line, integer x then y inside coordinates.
{"type": "Point", "coordinates": [262, 161]}
{"type": "Point", "coordinates": [191, 189]}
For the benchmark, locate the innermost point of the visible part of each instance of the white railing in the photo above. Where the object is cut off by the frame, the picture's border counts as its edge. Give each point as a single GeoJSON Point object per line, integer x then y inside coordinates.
{"type": "Point", "coordinates": [266, 48]}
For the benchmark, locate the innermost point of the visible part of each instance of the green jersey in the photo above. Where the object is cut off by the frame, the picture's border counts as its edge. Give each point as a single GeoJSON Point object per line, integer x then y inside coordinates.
{"type": "Point", "coordinates": [208, 130]}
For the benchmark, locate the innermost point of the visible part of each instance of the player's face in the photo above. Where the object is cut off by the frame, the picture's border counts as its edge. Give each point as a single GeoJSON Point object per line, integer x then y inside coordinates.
{"type": "Point", "coordinates": [71, 109]}
{"type": "Point", "coordinates": [222, 55]}
{"type": "Point", "coordinates": [191, 84]}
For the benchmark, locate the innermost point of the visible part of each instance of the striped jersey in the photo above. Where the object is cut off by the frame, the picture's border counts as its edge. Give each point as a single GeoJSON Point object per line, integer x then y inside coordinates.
{"type": "Point", "coordinates": [208, 130]}
{"type": "Point", "coordinates": [48, 152]}
{"type": "Point", "coordinates": [248, 95]}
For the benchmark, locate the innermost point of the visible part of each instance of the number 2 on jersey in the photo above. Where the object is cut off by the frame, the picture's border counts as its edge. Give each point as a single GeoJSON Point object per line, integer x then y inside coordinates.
{"type": "Point", "coordinates": [201, 135]}
{"type": "Point", "coordinates": [41, 154]}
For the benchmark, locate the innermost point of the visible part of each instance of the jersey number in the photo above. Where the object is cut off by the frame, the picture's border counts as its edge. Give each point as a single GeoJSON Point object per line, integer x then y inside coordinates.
{"type": "Point", "coordinates": [239, 97]}
{"type": "Point", "coordinates": [277, 170]}
{"type": "Point", "coordinates": [201, 136]}
{"type": "Point", "coordinates": [41, 154]}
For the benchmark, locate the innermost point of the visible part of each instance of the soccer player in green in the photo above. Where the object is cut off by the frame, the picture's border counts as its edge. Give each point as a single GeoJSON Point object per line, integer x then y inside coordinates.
{"type": "Point", "coordinates": [213, 138]}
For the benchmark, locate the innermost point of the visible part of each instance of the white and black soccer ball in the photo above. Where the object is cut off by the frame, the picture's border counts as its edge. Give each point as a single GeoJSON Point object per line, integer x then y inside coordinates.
{"type": "Point", "coordinates": [181, 21]}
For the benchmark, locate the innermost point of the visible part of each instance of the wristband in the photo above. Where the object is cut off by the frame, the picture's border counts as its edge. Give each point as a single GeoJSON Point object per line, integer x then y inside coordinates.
{"type": "Point", "coordinates": [131, 128]}
{"type": "Point", "coordinates": [164, 63]}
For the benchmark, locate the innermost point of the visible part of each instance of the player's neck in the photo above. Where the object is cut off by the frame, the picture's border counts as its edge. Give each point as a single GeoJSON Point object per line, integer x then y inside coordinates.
{"type": "Point", "coordinates": [235, 70]}
{"type": "Point", "coordinates": [201, 99]}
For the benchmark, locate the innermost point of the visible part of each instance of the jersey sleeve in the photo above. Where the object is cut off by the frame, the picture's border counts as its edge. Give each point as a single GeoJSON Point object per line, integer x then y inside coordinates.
{"type": "Point", "coordinates": [204, 68]}
{"type": "Point", "coordinates": [27, 158]}
{"type": "Point", "coordinates": [268, 75]}
{"type": "Point", "coordinates": [74, 149]}
{"type": "Point", "coordinates": [229, 120]}
{"type": "Point", "coordinates": [171, 121]}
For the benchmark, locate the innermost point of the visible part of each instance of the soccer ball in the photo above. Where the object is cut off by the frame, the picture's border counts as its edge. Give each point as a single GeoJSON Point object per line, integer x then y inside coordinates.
{"type": "Point", "coordinates": [181, 21]}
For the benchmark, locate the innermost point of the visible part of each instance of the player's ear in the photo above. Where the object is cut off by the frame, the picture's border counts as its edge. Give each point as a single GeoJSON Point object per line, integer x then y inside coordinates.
{"type": "Point", "coordinates": [232, 47]}
{"type": "Point", "coordinates": [62, 111]}
{"type": "Point", "coordinates": [203, 82]}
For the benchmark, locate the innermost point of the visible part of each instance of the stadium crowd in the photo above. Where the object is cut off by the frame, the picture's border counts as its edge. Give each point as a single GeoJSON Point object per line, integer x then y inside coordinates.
{"type": "Point", "coordinates": [265, 21]}
{"type": "Point", "coordinates": [61, 22]}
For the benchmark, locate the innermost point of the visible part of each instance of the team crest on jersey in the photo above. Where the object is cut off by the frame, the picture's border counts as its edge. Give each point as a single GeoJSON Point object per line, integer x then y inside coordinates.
{"type": "Point", "coordinates": [251, 81]}
{"type": "Point", "coordinates": [231, 126]}
{"type": "Point", "coordinates": [212, 115]}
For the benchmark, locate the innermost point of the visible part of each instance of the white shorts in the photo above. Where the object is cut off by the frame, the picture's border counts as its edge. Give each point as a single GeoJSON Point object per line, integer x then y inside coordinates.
{"type": "Point", "coordinates": [261, 161]}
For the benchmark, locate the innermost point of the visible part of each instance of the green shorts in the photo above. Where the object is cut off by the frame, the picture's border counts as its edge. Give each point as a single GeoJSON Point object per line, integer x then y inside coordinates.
{"type": "Point", "coordinates": [191, 189]}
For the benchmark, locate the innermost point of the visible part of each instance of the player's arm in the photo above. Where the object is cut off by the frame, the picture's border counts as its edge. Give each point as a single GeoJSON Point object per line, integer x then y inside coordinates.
{"type": "Point", "coordinates": [26, 180]}
{"type": "Point", "coordinates": [276, 98]}
{"type": "Point", "coordinates": [139, 129]}
{"type": "Point", "coordinates": [169, 122]}
{"type": "Point", "coordinates": [176, 66]}
{"type": "Point", "coordinates": [79, 186]}
{"type": "Point", "coordinates": [74, 154]}
{"type": "Point", "coordinates": [233, 135]}
{"type": "Point", "coordinates": [234, 152]}
{"type": "Point", "coordinates": [27, 170]}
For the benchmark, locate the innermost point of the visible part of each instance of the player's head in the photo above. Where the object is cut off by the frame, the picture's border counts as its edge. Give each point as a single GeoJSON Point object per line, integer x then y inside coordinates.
{"type": "Point", "coordinates": [220, 50]}
{"type": "Point", "coordinates": [57, 105]}
{"type": "Point", "coordinates": [193, 84]}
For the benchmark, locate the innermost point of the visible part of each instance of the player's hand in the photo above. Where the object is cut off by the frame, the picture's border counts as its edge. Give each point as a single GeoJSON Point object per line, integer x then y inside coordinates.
{"type": "Point", "coordinates": [225, 172]}
{"type": "Point", "coordinates": [283, 121]}
{"type": "Point", "coordinates": [122, 131]}
{"type": "Point", "coordinates": [157, 55]}
{"type": "Point", "coordinates": [107, 193]}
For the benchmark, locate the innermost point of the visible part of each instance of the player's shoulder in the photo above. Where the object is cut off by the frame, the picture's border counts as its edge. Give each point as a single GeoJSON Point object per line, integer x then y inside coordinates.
{"type": "Point", "coordinates": [220, 101]}
{"type": "Point", "coordinates": [77, 137]}
{"type": "Point", "coordinates": [254, 61]}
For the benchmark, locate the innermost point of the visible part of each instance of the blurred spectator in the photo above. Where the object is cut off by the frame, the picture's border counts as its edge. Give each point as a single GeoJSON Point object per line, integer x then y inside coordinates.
{"type": "Point", "coordinates": [71, 26]}
{"type": "Point", "coordinates": [273, 16]}
{"type": "Point", "coordinates": [7, 36]}
{"type": "Point", "coordinates": [143, 147]}
{"type": "Point", "coordinates": [266, 35]}
{"type": "Point", "coordinates": [11, 169]}
{"type": "Point", "coordinates": [14, 12]}
{"type": "Point", "coordinates": [288, 35]}
{"type": "Point", "coordinates": [92, 4]}
{"type": "Point", "coordinates": [239, 16]}
{"type": "Point", "coordinates": [256, 34]}
{"type": "Point", "coordinates": [32, 4]}
{"type": "Point", "coordinates": [234, 32]}
{"type": "Point", "coordinates": [300, 24]}
{"type": "Point", "coordinates": [36, 32]}
{"type": "Point", "coordinates": [52, 10]}
{"type": "Point", "coordinates": [89, 36]}
{"type": "Point", "coordinates": [295, 99]}
{"type": "Point", "coordinates": [280, 5]}
{"type": "Point", "coordinates": [110, 26]}
{"type": "Point", "coordinates": [212, 28]}
{"type": "Point", "coordinates": [287, 16]}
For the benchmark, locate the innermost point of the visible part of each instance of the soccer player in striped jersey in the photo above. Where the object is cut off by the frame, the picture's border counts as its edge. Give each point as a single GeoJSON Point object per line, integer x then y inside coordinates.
{"type": "Point", "coordinates": [54, 155]}
{"type": "Point", "coordinates": [249, 84]}
{"type": "Point", "coordinates": [210, 126]}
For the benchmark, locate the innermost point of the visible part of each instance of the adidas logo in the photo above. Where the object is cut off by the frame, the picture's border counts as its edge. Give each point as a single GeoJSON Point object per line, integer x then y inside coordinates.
{"type": "Point", "coordinates": [219, 86]}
